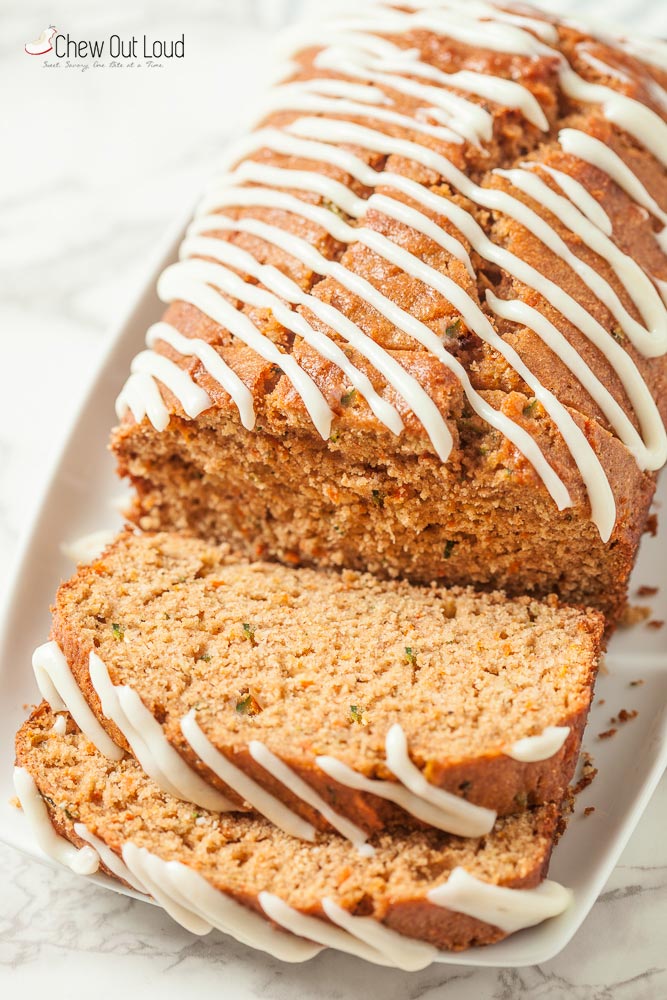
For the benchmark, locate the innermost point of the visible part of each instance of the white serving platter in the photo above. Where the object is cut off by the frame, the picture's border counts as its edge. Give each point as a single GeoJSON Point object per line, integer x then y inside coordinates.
{"type": "Point", "coordinates": [82, 497]}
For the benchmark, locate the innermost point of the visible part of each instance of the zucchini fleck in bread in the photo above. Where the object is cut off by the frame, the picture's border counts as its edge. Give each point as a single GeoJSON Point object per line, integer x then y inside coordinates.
{"type": "Point", "coordinates": [403, 887]}
{"type": "Point", "coordinates": [349, 699]}
{"type": "Point", "coordinates": [418, 329]}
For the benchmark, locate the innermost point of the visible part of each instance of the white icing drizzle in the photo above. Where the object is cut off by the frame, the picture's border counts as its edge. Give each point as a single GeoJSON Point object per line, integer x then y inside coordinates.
{"type": "Point", "coordinates": [508, 909]}
{"type": "Point", "coordinates": [407, 386]}
{"type": "Point", "coordinates": [284, 287]}
{"type": "Point", "coordinates": [82, 861]}
{"type": "Point", "coordinates": [539, 747]}
{"type": "Point", "coordinates": [655, 452]}
{"type": "Point", "coordinates": [281, 772]}
{"type": "Point", "coordinates": [634, 280]}
{"type": "Point", "coordinates": [176, 283]}
{"type": "Point", "coordinates": [598, 64]}
{"type": "Point", "coordinates": [542, 28]}
{"type": "Point", "coordinates": [60, 725]}
{"type": "Point", "coordinates": [578, 195]}
{"type": "Point", "coordinates": [595, 152]}
{"type": "Point", "coordinates": [166, 767]}
{"type": "Point", "coordinates": [149, 869]}
{"type": "Point", "coordinates": [339, 131]}
{"type": "Point", "coordinates": [414, 793]}
{"type": "Point", "coordinates": [59, 687]}
{"type": "Point", "coordinates": [324, 933]}
{"type": "Point", "coordinates": [224, 913]}
{"type": "Point", "coordinates": [109, 858]}
{"type": "Point", "coordinates": [253, 793]}
{"type": "Point", "coordinates": [149, 745]}
{"type": "Point", "coordinates": [212, 362]}
{"type": "Point", "coordinates": [407, 953]}
{"type": "Point", "coordinates": [649, 50]}
{"type": "Point", "coordinates": [141, 396]}
{"type": "Point", "coordinates": [293, 97]}
{"type": "Point", "coordinates": [88, 548]}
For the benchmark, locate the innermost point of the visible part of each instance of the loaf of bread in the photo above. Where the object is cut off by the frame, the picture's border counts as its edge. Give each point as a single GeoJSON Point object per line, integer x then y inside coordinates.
{"type": "Point", "coordinates": [322, 700]}
{"type": "Point", "coordinates": [420, 891]}
{"type": "Point", "coordinates": [419, 327]}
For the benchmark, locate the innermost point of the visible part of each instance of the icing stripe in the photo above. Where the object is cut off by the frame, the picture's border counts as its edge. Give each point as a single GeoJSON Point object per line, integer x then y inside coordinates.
{"type": "Point", "coordinates": [407, 953]}
{"type": "Point", "coordinates": [82, 861]}
{"type": "Point", "coordinates": [175, 284]}
{"type": "Point", "coordinates": [281, 772]}
{"type": "Point", "coordinates": [318, 930]}
{"type": "Point", "coordinates": [595, 152]}
{"type": "Point", "coordinates": [149, 745]}
{"type": "Point", "coordinates": [141, 396]}
{"type": "Point", "coordinates": [166, 767]}
{"type": "Point", "coordinates": [414, 793]}
{"type": "Point", "coordinates": [110, 858]}
{"type": "Point", "coordinates": [148, 868]}
{"type": "Point", "coordinates": [292, 97]}
{"type": "Point", "coordinates": [59, 688]}
{"type": "Point", "coordinates": [540, 747]}
{"type": "Point", "coordinates": [246, 292]}
{"type": "Point", "coordinates": [634, 384]}
{"type": "Point", "coordinates": [192, 396]}
{"type": "Point", "coordinates": [651, 455]}
{"type": "Point", "coordinates": [578, 195]}
{"type": "Point", "coordinates": [256, 796]}
{"type": "Point", "coordinates": [233, 918]}
{"type": "Point", "coordinates": [212, 362]}
{"type": "Point", "coordinates": [509, 909]}
{"type": "Point", "coordinates": [637, 285]}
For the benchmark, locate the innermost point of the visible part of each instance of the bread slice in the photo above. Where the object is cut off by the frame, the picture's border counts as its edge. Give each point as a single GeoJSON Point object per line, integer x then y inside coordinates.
{"type": "Point", "coordinates": [330, 698]}
{"type": "Point", "coordinates": [198, 864]}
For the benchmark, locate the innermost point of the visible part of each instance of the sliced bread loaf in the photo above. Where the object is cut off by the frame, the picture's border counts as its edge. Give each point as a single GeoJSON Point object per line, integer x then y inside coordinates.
{"type": "Point", "coordinates": [321, 699]}
{"type": "Point", "coordinates": [420, 890]}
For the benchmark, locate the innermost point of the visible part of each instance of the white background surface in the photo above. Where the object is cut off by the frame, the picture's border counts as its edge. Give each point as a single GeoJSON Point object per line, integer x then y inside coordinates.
{"type": "Point", "coordinates": [94, 167]}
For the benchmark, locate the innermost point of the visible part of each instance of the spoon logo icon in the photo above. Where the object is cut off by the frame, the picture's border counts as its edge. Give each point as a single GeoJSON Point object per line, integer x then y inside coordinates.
{"type": "Point", "coordinates": [41, 45]}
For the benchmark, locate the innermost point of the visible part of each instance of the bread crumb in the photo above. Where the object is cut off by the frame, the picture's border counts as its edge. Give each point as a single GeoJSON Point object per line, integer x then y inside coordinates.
{"type": "Point", "coordinates": [14, 801]}
{"type": "Point", "coordinates": [651, 526]}
{"type": "Point", "coordinates": [588, 810]}
{"type": "Point", "coordinates": [601, 701]}
{"type": "Point", "coordinates": [655, 624]}
{"type": "Point", "coordinates": [625, 716]}
{"type": "Point", "coordinates": [633, 615]}
{"type": "Point", "coordinates": [607, 734]}
{"type": "Point", "coordinates": [588, 773]}
{"type": "Point", "coordinates": [645, 591]}
{"type": "Point", "coordinates": [637, 683]}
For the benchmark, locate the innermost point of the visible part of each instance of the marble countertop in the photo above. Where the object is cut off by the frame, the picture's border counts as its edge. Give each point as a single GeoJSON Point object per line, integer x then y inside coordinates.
{"type": "Point", "coordinates": [95, 165]}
